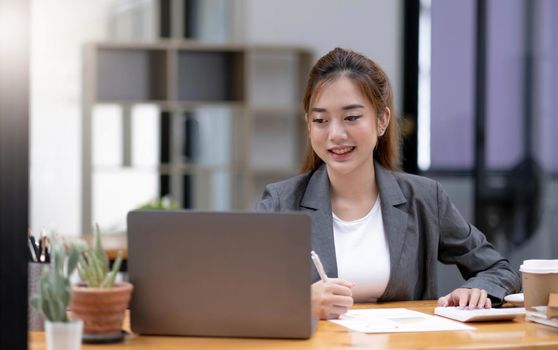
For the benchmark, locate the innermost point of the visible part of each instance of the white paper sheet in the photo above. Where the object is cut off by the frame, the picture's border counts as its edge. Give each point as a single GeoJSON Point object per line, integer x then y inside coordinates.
{"type": "Point", "coordinates": [396, 321]}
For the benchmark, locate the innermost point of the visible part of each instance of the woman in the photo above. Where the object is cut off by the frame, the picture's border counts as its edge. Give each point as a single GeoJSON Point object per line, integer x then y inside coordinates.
{"type": "Point", "coordinates": [377, 230]}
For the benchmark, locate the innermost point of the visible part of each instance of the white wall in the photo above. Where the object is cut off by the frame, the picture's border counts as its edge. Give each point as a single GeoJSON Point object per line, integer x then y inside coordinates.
{"type": "Point", "coordinates": [371, 27]}
{"type": "Point", "coordinates": [59, 28]}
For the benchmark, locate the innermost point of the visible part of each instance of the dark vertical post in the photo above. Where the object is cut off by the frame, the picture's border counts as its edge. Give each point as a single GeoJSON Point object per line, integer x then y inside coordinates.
{"type": "Point", "coordinates": [410, 85]}
{"type": "Point", "coordinates": [14, 171]}
{"type": "Point", "coordinates": [480, 106]}
{"type": "Point", "coordinates": [529, 86]}
{"type": "Point", "coordinates": [165, 153]}
{"type": "Point", "coordinates": [164, 19]}
{"type": "Point", "coordinates": [189, 26]}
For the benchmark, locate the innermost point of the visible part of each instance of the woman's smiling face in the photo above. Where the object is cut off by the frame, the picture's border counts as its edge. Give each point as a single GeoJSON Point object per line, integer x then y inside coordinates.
{"type": "Point", "coordinates": [343, 126]}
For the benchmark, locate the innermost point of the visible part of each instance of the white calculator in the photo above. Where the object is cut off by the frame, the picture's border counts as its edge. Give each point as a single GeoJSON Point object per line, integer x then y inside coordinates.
{"type": "Point", "coordinates": [477, 315]}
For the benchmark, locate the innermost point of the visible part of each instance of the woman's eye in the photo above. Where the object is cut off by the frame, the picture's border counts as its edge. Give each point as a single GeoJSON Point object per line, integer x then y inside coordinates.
{"type": "Point", "coordinates": [352, 118]}
{"type": "Point", "coordinates": [318, 120]}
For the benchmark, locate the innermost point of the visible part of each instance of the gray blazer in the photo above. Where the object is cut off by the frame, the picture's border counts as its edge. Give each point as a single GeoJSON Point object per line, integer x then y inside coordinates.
{"type": "Point", "coordinates": [421, 226]}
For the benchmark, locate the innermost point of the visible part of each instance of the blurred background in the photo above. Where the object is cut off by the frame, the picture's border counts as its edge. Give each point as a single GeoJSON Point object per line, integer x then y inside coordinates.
{"type": "Point", "coordinates": [198, 101]}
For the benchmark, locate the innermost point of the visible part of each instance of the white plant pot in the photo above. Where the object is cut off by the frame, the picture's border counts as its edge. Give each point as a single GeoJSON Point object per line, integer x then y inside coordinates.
{"type": "Point", "coordinates": [64, 335]}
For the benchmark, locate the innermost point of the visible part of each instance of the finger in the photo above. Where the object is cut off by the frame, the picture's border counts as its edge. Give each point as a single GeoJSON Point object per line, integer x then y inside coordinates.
{"type": "Point", "coordinates": [342, 282]}
{"type": "Point", "coordinates": [340, 301]}
{"type": "Point", "coordinates": [482, 299]}
{"type": "Point", "coordinates": [474, 296]}
{"type": "Point", "coordinates": [338, 289]}
{"type": "Point", "coordinates": [331, 311]}
{"type": "Point", "coordinates": [318, 285]}
{"type": "Point", "coordinates": [332, 316]}
{"type": "Point", "coordinates": [444, 301]}
{"type": "Point", "coordinates": [463, 297]}
{"type": "Point", "coordinates": [338, 310]}
{"type": "Point", "coordinates": [488, 303]}
{"type": "Point", "coordinates": [334, 311]}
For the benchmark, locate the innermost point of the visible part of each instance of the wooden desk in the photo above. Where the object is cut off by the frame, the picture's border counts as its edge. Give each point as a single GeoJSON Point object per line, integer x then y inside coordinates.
{"type": "Point", "coordinates": [518, 334]}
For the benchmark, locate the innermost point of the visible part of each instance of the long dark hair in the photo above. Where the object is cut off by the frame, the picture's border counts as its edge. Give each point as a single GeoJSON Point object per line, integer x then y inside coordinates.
{"type": "Point", "coordinates": [373, 83]}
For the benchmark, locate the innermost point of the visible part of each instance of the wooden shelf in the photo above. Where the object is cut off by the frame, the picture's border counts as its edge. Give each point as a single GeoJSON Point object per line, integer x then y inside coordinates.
{"type": "Point", "coordinates": [218, 76]}
{"type": "Point", "coordinates": [234, 109]}
{"type": "Point", "coordinates": [131, 74]}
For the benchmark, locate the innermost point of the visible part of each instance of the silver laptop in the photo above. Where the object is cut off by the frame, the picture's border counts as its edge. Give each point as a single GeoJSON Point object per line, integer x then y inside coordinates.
{"type": "Point", "coordinates": [225, 274]}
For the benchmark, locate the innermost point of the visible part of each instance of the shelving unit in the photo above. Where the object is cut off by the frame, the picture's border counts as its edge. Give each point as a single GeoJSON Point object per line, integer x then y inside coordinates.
{"type": "Point", "coordinates": [229, 118]}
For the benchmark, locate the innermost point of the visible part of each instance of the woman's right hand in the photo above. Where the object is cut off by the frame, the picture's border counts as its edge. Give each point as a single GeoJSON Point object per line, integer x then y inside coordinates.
{"type": "Point", "coordinates": [331, 299]}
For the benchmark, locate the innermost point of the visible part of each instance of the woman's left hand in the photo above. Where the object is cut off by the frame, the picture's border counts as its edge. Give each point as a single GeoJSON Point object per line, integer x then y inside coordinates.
{"type": "Point", "coordinates": [466, 297]}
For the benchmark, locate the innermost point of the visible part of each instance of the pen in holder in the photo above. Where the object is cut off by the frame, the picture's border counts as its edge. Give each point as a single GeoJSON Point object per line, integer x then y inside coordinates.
{"type": "Point", "coordinates": [35, 320]}
{"type": "Point", "coordinates": [39, 259]}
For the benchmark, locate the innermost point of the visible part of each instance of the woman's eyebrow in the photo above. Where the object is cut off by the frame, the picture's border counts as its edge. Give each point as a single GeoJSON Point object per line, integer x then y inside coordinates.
{"type": "Point", "coordinates": [352, 106]}
{"type": "Point", "coordinates": [344, 108]}
{"type": "Point", "coordinates": [319, 110]}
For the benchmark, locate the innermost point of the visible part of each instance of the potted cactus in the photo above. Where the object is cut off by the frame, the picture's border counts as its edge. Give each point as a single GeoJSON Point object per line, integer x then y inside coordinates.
{"type": "Point", "coordinates": [98, 300]}
{"type": "Point", "coordinates": [54, 295]}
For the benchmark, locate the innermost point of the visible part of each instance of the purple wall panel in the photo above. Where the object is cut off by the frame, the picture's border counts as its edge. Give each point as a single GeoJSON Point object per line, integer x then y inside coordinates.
{"type": "Point", "coordinates": [452, 84]}
{"type": "Point", "coordinates": [504, 147]}
{"type": "Point", "coordinates": [546, 94]}
{"type": "Point", "coordinates": [452, 81]}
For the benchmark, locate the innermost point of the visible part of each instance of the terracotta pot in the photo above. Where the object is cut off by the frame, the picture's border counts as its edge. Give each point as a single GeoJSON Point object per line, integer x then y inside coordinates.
{"type": "Point", "coordinates": [101, 309]}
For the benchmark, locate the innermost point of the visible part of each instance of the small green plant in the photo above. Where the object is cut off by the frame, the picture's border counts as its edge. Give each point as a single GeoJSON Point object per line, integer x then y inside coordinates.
{"type": "Point", "coordinates": [162, 203]}
{"type": "Point", "coordinates": [93, 266]}
{"type": "Point", "coordinates": [54, 292]}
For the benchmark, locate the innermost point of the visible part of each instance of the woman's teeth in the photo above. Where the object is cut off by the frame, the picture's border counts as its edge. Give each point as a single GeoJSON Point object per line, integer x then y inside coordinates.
{"type": "Point", "coordinates": [342, 150]}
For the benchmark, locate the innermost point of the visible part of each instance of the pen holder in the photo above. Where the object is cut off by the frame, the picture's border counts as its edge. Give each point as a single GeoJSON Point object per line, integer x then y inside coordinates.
{"type": "Point", "coordinates": [35, 320]}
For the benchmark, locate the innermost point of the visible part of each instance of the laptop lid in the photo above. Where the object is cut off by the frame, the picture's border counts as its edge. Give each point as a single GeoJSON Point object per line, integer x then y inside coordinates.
{"type": "Point", "coordinates": [224, 274]}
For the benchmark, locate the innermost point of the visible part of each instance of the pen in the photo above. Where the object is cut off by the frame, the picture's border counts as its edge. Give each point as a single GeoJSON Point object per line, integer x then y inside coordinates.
{"type": "Point", "coordinates": [46, 249]}
{"type": "Point", "coordinates": [43, 249]}
{"type": "Point", "coordinates": [32, 252]}
{"type": "Point", "coordinates": [319, 266]}
{"type": "Point", "coordinates": [40, 245]}
{"type": "Point", "coordinates": [33, 249]}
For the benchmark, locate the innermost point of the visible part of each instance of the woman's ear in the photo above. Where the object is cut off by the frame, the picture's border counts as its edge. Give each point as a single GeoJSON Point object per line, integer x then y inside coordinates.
{"type": "Point", "coordinates": [383, 121]}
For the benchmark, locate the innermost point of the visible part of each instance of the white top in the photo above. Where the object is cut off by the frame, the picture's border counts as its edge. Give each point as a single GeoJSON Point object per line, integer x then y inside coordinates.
{"type": "Point", "coordinates": [362, 254]}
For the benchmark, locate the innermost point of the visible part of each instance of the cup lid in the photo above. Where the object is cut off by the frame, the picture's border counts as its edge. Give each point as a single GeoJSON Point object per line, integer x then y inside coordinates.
{"type": "Point", "coordinates": [539, 266]}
